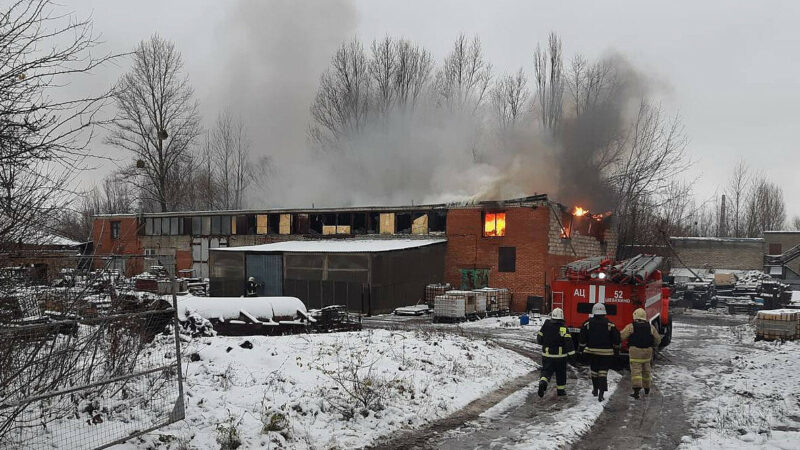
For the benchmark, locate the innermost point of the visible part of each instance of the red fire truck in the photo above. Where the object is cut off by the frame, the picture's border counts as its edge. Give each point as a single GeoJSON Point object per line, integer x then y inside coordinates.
{"type": "Point", "coordinates": [622, 286]}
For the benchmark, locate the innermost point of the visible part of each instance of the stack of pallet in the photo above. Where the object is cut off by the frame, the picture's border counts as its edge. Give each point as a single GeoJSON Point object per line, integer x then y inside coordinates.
{"type": "Point", "coordinates": [783, 324]}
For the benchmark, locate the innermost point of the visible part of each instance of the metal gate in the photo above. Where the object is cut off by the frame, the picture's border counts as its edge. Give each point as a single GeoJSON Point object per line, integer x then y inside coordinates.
{"type": "Point", "coordinates": [82, 364]}
{"type": "Point", "coordinates": [268, 272]}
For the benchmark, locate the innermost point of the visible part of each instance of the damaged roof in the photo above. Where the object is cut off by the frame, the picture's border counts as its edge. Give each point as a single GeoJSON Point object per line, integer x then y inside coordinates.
{"type": "Point", "coordinates": [336, 246]}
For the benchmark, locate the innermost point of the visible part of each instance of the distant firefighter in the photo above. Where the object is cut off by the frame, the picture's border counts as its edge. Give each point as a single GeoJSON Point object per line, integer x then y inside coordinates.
{"type": "Point", "coordinates": [556, 345]}
{"type": "Point", "coordinates": [252, 287]}
{"type": "Point", "coordinates": [642, 337]}
{"type": "Point", "coordinates": [601, 339]}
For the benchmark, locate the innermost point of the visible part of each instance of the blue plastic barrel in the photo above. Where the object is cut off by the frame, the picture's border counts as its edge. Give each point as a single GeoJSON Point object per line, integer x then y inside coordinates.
{"type": "Point", "coordinates": [524, 319]}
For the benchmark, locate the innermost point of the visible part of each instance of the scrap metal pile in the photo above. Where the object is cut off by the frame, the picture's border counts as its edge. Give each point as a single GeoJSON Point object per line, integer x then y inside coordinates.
{"type": "Point", "coordinates": [635, 270]}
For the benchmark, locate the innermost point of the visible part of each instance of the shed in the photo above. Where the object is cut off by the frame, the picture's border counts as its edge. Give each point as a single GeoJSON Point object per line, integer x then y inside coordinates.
{"type": "Point", "coordinates": [370, 276]}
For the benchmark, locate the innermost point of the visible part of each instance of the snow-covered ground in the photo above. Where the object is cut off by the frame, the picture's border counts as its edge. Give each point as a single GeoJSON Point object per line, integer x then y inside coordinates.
{"type": "Point", "coordinates": [339, 390]}
{"type": "Point", "coordinates": [739, 393]}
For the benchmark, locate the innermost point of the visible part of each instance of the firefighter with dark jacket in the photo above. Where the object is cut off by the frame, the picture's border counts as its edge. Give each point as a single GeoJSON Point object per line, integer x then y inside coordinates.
{"type": "Point", "coordinates": [556, 345]}
{"type": "Point", "coordinates": [642, 337]}
{"type": "Point", "coordinates": [601, 340]}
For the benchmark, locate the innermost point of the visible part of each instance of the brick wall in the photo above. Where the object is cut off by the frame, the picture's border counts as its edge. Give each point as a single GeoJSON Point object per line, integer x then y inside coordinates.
{"type": "Point", "coordinates": [719, 253]}
{"type": "Point", "coordinates": [526, 230]}
{"type": "Point", "coordinates": [127, 243]}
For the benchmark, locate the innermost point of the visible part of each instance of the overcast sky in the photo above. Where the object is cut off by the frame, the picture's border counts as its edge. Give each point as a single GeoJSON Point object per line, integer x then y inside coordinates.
{"type": "Point", "coordinates": [730, 69]}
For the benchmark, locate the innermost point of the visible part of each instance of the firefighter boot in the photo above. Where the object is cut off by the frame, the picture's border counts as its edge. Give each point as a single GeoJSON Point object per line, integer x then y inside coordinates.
{"type": "Point", "coordinates": [600, 395]}
{"type": "Point", "coordinates": [542, 388]}
{"type": "Point", "coordinates": [636, 393]}
{"type": "Point", "coordinates": [594, 387]}
{"type": "Point", "coordinates": [561, 392]}
{"type": "Point", "coordinates": [646, 391]}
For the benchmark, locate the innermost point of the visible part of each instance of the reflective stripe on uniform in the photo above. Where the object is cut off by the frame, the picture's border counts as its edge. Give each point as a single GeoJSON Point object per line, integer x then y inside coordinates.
{"type": "Point", "coordinates": [552, 355]}
{"type": "Point", "coordinates": [639, 360]}
{"type": "Point", "coordinates": [594, 373]}
{"type": "Point", "coordinates": [636, 377]}
{"type": "Point", "coordinates": [561, 387]}
{"type": "Point", "coordinates": [602, 373]}
{"type": "Point", "coordinates": [544, 379]}
{"type": "Point", "coordinates": [600, 351]}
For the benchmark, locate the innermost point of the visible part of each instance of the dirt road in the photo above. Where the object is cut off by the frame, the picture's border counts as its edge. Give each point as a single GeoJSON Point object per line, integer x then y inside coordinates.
{"type": "Point", "coordinates": [516, 418]}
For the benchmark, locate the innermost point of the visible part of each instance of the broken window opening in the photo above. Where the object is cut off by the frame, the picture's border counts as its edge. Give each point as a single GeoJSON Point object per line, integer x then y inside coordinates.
{"type": "Point", "coordinates": [373, 223]}
{"type": "Point", "coordinates": [437, 221]}
{"type": "Point", "coordinates": [273, 223]}
{"type": "Point", "coordinates": [115, 229]}
{"type": "Point", "coordinates": [359, 223]}
{"type": "Point", "coordinates": [300, 224]}
{"type": "Point", "coordinates": [403, 223]}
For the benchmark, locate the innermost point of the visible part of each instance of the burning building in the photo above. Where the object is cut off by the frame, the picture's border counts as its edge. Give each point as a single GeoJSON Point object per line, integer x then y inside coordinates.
{"type": "Point", "coordinates": [518, 244]}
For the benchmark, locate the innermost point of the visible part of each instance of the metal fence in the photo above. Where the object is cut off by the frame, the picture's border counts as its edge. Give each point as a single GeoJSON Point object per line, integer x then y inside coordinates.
{"type": "Point", "coordinates": [86, 360]}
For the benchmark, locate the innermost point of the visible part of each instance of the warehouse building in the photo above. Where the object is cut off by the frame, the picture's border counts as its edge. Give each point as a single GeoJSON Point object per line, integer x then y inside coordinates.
{"type": "Point", "coordinates": [368, 275]}
{"type": "Point", "coordinates": [519, 244]}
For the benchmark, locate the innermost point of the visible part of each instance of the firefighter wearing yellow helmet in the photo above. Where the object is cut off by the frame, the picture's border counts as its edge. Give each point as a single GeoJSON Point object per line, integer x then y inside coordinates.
{"type": "Point", "coordinates": [556, 345]}
{"type": "Point", "coordinates": [642, 337]}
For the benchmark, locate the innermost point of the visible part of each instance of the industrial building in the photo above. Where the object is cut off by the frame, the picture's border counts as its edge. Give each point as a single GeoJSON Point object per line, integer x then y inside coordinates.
{"type": "Point", "coordinates": [367, 275]}
{"type": "Point", "coordinates": [518, 244]}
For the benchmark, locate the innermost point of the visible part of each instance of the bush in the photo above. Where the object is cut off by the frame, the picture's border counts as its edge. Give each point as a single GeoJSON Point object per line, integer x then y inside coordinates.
{"type": "Point", "coordinates": [228, 436]}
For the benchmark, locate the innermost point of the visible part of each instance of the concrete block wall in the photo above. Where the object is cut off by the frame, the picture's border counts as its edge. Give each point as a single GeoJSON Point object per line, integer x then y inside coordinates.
{"type": "Point", "coordinates": [719, 253]}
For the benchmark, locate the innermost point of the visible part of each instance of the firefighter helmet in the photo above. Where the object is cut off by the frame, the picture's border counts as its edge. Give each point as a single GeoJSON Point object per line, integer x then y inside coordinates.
{"type": "Point", "coordinates": [252, 279]}
{"type": "Point", "coordinates": [599, 309]}
{"type": "Point", "coordinates": [639, 314]}
{"type": "Point", "coordinates": [557, 313]}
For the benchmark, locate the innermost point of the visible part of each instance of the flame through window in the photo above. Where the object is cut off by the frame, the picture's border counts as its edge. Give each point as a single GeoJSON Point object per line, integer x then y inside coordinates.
{"type": "Point", "coordinates": [494, 224]}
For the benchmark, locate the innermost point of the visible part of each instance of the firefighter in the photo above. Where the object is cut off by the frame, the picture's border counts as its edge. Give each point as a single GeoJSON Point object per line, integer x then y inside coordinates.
{"type": "Point", "coordinates": [252, 287]}
{"type": "Point", "coordinates": [556, 345]}
{"type": "Point", "coordinates": [642, 337]}
{"type": "Point", "coordinates": [601, 339]}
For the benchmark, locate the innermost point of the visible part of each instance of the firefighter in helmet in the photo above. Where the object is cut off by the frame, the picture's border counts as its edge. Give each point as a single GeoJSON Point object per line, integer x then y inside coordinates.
{"type": "Point", "coordinates": [642, 337]}
{"type": "Point", "coordinates": [252, 287]}
{"type": "Point", "coordinates": [556, 345]}
{"type": "Point", "coordinates": [601, 339]}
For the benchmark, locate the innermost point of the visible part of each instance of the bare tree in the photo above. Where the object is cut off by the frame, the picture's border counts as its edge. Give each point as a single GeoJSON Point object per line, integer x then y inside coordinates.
{"type": "Point", "coordinates": [463, 80]}
{"type": "Point", "coordinates": [233, 169]}
{"type": "Point", "coordinates": [44, 132]}
{"type": "Point", "coordinates": [737, 191]}
{"type": "Point", "coordinates": [765, 208]}
{"type": "Point", "coordinates": [509, 98]}
{"type": "Point", "coordinates": [342, 101]}
{"type": "Point", "coordinates": [157, 119]}
{"type": "Point", "coordinates": [412, 73]}
{"type": "Point", "coordinates": [548, 72]}
{"type": "Point", "coordinates": [796, 223]}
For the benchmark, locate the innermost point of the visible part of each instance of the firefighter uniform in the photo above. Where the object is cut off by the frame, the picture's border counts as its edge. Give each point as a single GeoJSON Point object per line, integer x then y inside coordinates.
{"type": "Point", "coordinates": [642, 337]}
{"type": "Point", "coordinates": [556, 345]}
{"type": "Point", "coordinates": [601, 340]}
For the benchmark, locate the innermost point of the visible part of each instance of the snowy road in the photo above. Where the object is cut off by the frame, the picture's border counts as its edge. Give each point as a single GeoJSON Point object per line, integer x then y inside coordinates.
{"type": "Point", "coordinates": [714, 388]}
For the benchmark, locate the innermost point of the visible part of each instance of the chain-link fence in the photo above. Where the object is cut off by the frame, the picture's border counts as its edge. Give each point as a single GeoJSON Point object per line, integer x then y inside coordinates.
{"type": "Point", "coordinates": [89, 357]}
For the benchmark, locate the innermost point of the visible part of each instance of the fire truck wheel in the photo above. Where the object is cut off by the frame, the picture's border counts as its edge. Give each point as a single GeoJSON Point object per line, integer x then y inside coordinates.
{"type": "Point", "coordinates": [666, 333]}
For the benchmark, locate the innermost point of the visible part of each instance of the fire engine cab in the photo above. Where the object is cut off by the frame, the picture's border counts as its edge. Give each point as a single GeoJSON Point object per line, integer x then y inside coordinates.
{"type": "Point", "coordinates": [622, 286]}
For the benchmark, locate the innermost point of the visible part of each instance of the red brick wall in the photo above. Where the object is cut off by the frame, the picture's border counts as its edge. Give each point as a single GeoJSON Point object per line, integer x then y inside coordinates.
{"type": "Point", "coordinates": [183, 259]}
{"type": "Point", "coordinates": [127, 243]}
{"type": "Point", "coordinates": [526, 229]}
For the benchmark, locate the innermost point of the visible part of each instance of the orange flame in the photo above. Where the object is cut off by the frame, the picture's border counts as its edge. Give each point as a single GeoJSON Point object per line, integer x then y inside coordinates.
{"type": "Point", "coordinates": [578, 211]}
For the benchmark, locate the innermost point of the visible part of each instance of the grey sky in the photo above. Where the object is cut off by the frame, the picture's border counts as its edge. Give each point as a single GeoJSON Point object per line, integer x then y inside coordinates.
{"type": "Point", "coordinates": [728, 68]}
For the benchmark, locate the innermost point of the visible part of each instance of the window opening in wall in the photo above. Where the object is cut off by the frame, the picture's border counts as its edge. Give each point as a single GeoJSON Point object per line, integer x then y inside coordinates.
{"type": "Point", "coordinates": [206, 228]}
{"type": "Point", "coordinates": [494, 224]}
{"type": "Point", "coordinates": [174, 228]}
{"type": "Point", "coordinates": [507, 259]}
{"type": "Point", "coordinates": [437, 221]}
{"type": "Point", "coordinates": [148, 226]}
{"type": "Point", "coordinates": [775, 249]}
{"type": "Point", "coordinates": [197, 225]}
{"type": "Point", "coordinates": [474, 278]}
{"type": "Point", "coordinates": [215, 224]}
{"type": "Point", "coordinates": [359, 223]}
{"type": "Point", "coordinates": [157, 226]}
{"type": "Point", "coordinates": [403, 223]}
{"type": "Point", "coordinates": [373, 223]}
{"type": "Point", "coordinates": [300, 223]}
{"type": "Point", "coordinates": [165, 226]}
{"type": "Point", "coordinates": [273, 223]}
{"type": "Point", "coordinates": [317, 221]}
{"type": "Point", "coordinates": [115, 229]}
{"type": "Point", "coordinates": [225, 225]}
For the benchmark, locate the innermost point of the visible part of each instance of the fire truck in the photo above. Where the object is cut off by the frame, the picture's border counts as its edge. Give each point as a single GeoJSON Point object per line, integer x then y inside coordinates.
{"type": "Point", "coordinates": [622, 286]}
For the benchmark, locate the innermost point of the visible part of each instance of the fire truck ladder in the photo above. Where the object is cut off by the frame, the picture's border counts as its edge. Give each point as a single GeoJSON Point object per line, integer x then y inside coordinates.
{"type": "Point", "coordinates": [636, 269]}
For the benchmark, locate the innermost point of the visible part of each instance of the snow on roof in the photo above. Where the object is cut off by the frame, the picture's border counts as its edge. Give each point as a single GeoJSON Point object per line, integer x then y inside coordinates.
{"type": "Point", "coordinates": [715, 239]}
{"type": "Point", "coordinates": [684, 272]}
{"type": "Point", "coordinates": [43, 238]}
{"type": "Point", "coordinates": [337, 246]}
{"type": "Point", "coordinates": [230, 307]}
{"type": "Point", "coordinates": [795, 297]}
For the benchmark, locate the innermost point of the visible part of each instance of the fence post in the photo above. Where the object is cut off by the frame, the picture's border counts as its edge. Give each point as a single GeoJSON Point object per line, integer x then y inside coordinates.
{"type": "Point", "coordinates": [179, 412]}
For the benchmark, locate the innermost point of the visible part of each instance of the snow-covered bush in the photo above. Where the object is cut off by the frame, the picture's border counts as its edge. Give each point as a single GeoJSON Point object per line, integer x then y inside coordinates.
{"type": "Point", "coordinates": [228, 436]}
